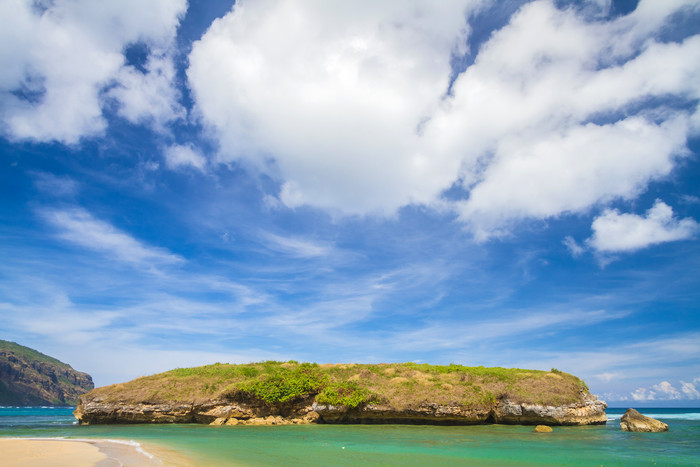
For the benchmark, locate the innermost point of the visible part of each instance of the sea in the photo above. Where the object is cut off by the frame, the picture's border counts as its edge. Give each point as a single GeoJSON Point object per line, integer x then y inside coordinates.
{"type": "Point", "coordinates": [385, 445]}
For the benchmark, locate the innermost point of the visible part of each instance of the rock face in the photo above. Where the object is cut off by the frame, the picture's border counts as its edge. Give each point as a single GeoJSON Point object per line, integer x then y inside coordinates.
{"type": "Point", "coordinates": [590, 412]}
{"type": "Point", "coordinates": [634, 421]}
{"type": "Point", "coordinates": [223, 412]}
{"type": "Point", "coordinates": [28, 377]}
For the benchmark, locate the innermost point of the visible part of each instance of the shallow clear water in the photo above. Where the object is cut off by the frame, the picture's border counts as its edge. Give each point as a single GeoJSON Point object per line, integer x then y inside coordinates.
{"type": "Point", "coordinates": [312, 445]}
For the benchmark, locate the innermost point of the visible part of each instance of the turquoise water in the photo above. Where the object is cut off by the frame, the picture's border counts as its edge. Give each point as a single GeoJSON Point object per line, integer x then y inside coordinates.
{"type": "Point", "coordinates": [312, 445]}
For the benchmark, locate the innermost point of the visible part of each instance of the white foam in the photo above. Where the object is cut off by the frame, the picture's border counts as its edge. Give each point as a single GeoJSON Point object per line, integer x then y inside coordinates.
{"type": "Point", "coordinates": [692, 416]}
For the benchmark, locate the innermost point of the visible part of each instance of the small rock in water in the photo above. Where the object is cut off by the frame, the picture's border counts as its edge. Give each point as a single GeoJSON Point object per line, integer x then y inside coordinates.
{"type": "Point", "coordinates": [543, 429]}
{"type": "Point", "coordinates": [634, 421]}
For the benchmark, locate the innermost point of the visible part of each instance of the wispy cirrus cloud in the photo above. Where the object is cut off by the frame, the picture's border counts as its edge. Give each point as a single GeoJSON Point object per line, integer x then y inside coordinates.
{"type": "Point", "coordinates": [520, 322]}
{"type": "Point", "coordinates": [78, 226]}
{"type": "Point", "coordinates": [619, 367]}
{"type": "Point", "coordinates": [296, 247]}
{"type": "Point", "coordinates": [55, 186]}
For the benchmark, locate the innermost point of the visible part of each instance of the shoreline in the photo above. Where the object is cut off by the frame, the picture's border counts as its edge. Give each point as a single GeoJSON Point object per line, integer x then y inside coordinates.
{"type": "Point", "coordinates": [67, 452]}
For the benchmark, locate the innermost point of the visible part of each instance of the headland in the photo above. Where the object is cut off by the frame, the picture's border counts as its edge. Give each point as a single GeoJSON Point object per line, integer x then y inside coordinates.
{"type": "Point", "coordinates": [283, 393]}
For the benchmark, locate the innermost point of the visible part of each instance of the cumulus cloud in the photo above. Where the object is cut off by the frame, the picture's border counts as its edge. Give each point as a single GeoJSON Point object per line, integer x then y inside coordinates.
{"type": "Point", "coordinates": [79, 227]}
{"type": "Point", "coordinates": [352, 108]}
{"type": "Point", "coordinates": [59, 57]}
{"type": "Point", "coordinates": [148, 96]}
{"type": "Point", "coordinates": [690, 390]}
{"type": "Point", "coordinates": [616, 232]}
{"type": "Point", "coordinates": [180, 156]}
{"type": "Point", "coordinates": [667, 389]}
{"type": "Point", "coordinates": [335, 93]}
{"type": "Point", "coordinates": [643, 394]}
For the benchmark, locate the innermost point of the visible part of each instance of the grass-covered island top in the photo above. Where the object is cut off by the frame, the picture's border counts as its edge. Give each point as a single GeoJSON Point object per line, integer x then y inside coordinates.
{"type": "Point", "coordinates": [404, 384]}
{"type": "Point", "coordinates": [363, 393]}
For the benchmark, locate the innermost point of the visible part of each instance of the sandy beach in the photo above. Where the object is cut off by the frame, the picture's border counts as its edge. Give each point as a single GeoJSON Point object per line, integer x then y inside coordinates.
{"type": "Point", "coordinates": [82, 453]}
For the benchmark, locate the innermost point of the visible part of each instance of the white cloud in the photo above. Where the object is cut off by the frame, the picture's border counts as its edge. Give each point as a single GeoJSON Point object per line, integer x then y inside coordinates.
{"type": "Point", "coordinates": [297, 247]}
{"type": "Point", "coordinates": [63, 54]}
{"type": "Point", "coordinates": [616, 232]}
{"type": "Point", "coordinates": [179, 156]}
{"type": "Point", "coordinates": [569, 172]}
{"type": "Point", "coordinates": [642, 394]}
{"type": "Point", "coordinates": [613, 396]}
{"type": "Point", "coordinates": [81, 228]}
{"type": "Point", "coordinates": [572, 245]}
{"type": "Point", "coordinates": [457, 334]}
{"type": "Point", "coordinates": [335, 93]}
{"type": "Point", "coordinates": [348, 108]}
{"type": "Point", "coordinates": [690, 390]}
{"type": "Point", "coordinates": [151, 96]}
{"type": "Point", "coordinates": [667, 389]}
{"type": "Point", "coordinates": [607, 376]}
{"type": "Point", "coordinates": [54, 185]}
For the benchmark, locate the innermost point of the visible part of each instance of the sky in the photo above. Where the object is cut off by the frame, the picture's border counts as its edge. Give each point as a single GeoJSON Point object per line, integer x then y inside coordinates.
{"type": "Point", "coordinates": [498, 183]}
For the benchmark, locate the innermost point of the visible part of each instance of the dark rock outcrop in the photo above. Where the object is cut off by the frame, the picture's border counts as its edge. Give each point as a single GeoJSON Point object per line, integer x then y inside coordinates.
{"type": "Point", "coordinates": [28, 377]}
{"type": "Point", "coordinates": [634, 421]}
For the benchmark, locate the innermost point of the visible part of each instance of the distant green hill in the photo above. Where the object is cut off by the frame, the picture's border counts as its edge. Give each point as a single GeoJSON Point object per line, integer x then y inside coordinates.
{"type": "Point", "coordinates": [28, 377]}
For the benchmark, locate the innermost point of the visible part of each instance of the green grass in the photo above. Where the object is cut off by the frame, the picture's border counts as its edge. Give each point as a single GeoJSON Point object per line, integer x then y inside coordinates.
{"type": "Point", "coordinates": [400, 385]}
{"type": "Point", "coordinates": [347, 393]}
{"type": "Point", "coordinates": [30, 354]}
{"type": "Point", "coordinates": [281, 384]}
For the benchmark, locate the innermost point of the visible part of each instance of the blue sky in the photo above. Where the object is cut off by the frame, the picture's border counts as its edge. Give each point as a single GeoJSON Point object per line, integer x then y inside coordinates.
{"type": "Point", "coordinates": [485, 183]}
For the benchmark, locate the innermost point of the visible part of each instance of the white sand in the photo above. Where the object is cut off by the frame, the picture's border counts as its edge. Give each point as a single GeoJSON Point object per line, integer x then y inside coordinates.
{"type": "Point", "coordinates": [80, 453]}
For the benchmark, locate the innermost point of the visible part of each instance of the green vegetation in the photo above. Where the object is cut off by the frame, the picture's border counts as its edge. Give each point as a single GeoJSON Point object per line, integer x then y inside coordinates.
{"type": "Point", "coordinates": [400, 385]}
{"type": "Point", "coordinates": [282, 384]}
{"type": "Point", "coordinates": [28, 377]}
{"type": "Point", "coordinates": [347, 393]}
{"type": "Point", "coordinates": [29, 354]}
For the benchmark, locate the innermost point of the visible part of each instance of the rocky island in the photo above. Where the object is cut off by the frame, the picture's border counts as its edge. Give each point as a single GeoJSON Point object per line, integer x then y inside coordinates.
{"type": "Point", "coordinates": [28, 377]}
{"type": "Point", "coordinates": [274, 393]}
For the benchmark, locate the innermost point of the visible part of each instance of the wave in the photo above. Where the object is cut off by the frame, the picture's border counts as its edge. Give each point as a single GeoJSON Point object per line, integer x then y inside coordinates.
{"type": "Point", "coordinates": [691, 416]}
